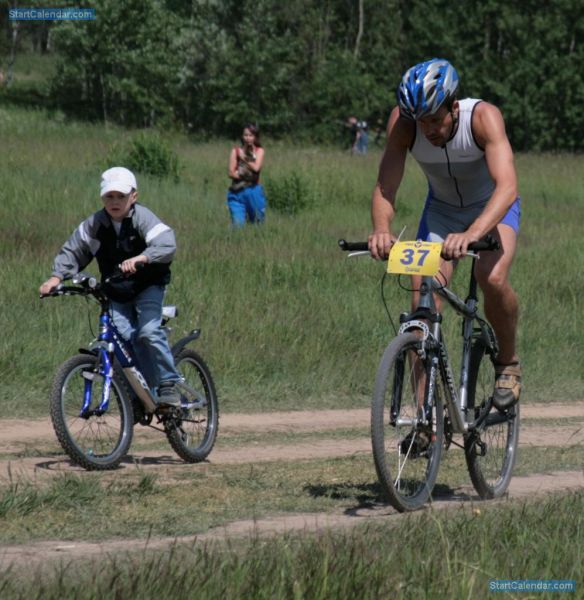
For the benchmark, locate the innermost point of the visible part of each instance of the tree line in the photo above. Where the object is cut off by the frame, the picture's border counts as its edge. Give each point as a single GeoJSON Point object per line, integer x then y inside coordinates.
{"type": "Point", "coordinates": [302, 66]}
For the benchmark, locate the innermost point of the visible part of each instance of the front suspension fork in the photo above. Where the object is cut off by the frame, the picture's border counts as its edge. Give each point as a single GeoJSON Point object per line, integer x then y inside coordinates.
{"type": "Point", "coordinates": [104, 368]}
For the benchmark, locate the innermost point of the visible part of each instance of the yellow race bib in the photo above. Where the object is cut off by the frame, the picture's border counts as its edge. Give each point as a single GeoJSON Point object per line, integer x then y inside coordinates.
{"type": "Point", "coordinates": [414, 258]}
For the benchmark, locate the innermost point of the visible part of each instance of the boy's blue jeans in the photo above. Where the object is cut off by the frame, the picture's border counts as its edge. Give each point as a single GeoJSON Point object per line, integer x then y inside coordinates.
{"type": "Point", "coordinates": [139, 321]}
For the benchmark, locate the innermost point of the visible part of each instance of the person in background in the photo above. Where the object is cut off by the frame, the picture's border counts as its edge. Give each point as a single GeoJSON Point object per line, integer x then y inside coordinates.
{"type": "Point", "coordinates": [245, 198]}
{"type": "Point", "coordinates": [362, 138]}
{"type": "Point", "coordinates": [352, 124]}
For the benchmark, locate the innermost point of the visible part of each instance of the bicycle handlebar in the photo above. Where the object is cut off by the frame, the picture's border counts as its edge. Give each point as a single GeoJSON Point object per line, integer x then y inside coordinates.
{"type": "Point", "coordinates": [87, 285]}
{"type": "Point", "coordinates": [487, 243]}
{"type": "Point", "coordinates": [353, 246]}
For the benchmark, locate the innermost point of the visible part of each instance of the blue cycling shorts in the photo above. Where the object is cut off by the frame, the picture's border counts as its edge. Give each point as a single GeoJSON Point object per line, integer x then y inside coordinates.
{"type": "Point", "coordinates": [440, 219]}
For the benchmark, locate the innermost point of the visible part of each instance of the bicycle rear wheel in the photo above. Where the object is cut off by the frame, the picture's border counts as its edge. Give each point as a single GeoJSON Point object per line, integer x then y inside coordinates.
{"type": "Point", "coordinates": [93, 441]}
{"type": "Point", "coordinates": [407, 438]}
{"type": "Point", "coordinates": [492, 450]}
{"type": "Point", "coordinates": [192, 430]}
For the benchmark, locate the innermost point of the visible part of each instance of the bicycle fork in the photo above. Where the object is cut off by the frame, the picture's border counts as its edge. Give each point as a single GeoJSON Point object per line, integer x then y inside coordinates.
{"type": "Point", "coordinates": [104, 369]}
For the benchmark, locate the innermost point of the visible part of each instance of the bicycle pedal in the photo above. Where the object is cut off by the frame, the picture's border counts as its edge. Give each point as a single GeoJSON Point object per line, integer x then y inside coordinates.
{"type": "Point", "coordinates": [482, 448]}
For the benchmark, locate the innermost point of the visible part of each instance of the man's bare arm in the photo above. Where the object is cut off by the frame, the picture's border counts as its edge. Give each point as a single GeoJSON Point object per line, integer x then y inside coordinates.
{"type": "Point", "coordinates": [400, 134]}
{"type": "Point", "coordinates": [489, 130]}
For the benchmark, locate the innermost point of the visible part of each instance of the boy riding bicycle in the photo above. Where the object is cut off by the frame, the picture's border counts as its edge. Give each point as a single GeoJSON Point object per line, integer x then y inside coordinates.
{"type": "Point", "coordinates": [126, 237]}
{"type": "Point", "coordinates": [464, 152]}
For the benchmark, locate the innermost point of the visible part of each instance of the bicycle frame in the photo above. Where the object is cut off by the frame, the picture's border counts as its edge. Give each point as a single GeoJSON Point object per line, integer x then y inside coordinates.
{"type": "Point", "coordinates": [457, 400]}
{"type": "Point", "coordinates": [110, 344]}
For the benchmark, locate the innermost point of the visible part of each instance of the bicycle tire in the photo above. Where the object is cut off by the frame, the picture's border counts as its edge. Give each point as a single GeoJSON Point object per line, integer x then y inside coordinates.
{"type": "Point", "coordinates": [407, 477]}
{"type": "Point", "coordinates": [96, 442]}
{"type": "Point", "coordinates": [490, 466]}
{"type": "Point", "coordinates": [193, 431]}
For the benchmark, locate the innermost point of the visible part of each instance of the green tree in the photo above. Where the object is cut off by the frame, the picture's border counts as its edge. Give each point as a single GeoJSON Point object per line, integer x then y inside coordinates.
{"type": "Point", "coordinates": [303, 66]}
{"type": "Point", "coordinates": [121, 67]}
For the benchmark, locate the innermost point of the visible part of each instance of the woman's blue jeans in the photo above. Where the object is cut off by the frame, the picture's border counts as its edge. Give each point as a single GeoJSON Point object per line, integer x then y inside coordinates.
{"type": "Point", "coordinates": [247, 204]}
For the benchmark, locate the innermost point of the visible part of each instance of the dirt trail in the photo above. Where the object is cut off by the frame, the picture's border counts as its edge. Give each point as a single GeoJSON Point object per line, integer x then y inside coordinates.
{"type": "Point", "coordinates": [43, 553]}
{"type": "Point", "coordinates": [19, 437]}
{"type": "Point", "coordinates": [21, 431]}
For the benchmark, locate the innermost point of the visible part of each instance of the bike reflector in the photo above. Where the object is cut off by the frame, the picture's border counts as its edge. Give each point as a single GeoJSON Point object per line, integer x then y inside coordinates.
{"type": "Point", "coordinates": [414, 258]}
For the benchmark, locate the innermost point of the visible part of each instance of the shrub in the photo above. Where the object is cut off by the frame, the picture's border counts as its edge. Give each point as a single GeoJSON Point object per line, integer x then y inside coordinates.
{"type": "Point", "coordinates": [289, 194]}
{"type": "Point", "coordinates": [147, 153]}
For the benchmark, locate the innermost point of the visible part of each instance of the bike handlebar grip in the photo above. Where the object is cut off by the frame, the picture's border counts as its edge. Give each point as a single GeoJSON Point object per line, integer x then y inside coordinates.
{"type": "Point", "coordinates": [117, 274]}
{"type": "Point", "coordinates": [487, 243]}
{"type": "Point", "coordinates": [353, 246]}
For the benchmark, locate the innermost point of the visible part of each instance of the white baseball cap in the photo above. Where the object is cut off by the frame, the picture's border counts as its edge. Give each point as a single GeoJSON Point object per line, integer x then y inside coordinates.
{"type": "Point", "coordinates": [118, 179]}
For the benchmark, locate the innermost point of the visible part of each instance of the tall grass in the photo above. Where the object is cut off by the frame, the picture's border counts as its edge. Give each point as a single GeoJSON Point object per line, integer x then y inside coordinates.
{"type": "Point", "coordinates": [429, 555]}
{"type": "Point", "coordinates": [287, 320]}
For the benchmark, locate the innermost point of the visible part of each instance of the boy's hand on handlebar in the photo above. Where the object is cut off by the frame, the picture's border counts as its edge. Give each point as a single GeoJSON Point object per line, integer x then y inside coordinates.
{"type": "Point", "coordinates": [130, 266]}
{"type": "Point", "coordinates": [456, 245]}
{"type": "Point", "coordinates": [49, 285]}
{"type": "Point", "coordinates": [380, 244]}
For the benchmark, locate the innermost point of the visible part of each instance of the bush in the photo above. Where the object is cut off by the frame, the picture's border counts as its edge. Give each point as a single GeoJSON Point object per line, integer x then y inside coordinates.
{"type": "Point", "coordinates": [289, 194]}
{"type": "Point", "coordinates": [147, 153]}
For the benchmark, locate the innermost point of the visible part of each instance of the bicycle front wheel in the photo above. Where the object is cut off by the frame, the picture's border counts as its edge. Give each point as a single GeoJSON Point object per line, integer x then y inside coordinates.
{"type": "Point", "coordinates": [492, 450]}
{"type": "Point", "coordinates": [92, 440]}
{"type": "Point", "coordinates": [407, 421]}
{"type": "Point", "coordinates": [193, 429]}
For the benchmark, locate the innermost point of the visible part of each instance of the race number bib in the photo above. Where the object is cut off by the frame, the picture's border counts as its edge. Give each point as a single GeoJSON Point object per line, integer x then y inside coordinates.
{"type": "Point", "coordinates": [414, 258]}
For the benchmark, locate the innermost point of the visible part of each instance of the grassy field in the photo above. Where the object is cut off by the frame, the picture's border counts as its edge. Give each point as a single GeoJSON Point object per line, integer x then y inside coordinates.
{"type": "Point", "coordinates": [429, 555]}
{"type": "Point", "coordinates": [287, 320]}
{"type": "Point", "coordinates": [189, 501]}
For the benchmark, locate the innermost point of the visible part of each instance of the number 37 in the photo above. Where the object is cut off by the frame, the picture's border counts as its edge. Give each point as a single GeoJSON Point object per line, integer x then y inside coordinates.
{"type": "Point", "coordinates": [409, 256]}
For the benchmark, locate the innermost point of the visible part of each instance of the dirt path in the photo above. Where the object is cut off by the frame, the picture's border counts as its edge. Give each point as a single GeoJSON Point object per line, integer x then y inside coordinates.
{"type": "Point", "coordinates": [43, 553]}
{"type": "Point", "coordinates": [19, 437]}
{"type": "Point", "coordinates": [36, 467]}
{"type": "Point", "coordinates": [19, 431]}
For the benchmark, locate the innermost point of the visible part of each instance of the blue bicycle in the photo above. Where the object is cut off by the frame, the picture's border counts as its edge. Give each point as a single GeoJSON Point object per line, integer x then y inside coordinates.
{"type": "Point", "coordinates": [99, 394]}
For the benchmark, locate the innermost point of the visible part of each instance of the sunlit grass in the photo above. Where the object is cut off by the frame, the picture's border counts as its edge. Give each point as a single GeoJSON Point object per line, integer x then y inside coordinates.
{"type": "Point", "coordinates": [287, 321]}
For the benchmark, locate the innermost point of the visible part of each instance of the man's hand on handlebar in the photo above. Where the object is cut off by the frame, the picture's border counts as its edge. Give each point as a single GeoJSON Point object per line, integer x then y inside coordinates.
{"type": "Point", "coordinates": [456, 245]}
{"type": "Point", "coordinates": [380, 244]}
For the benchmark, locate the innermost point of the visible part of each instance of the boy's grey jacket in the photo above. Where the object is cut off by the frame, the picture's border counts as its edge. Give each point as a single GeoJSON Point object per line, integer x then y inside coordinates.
{"type": "Point", "coordinates": [142, 232]}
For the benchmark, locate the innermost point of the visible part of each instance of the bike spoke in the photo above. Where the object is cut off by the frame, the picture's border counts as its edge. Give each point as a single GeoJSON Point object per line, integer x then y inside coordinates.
{"type": "Point", "coordinates": [94, 441]}
{"type": "Point", "coordinates": [406, 455]}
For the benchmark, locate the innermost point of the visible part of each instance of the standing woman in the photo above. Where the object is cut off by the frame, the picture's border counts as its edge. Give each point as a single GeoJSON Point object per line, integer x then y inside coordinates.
{"type": "Point", "coordinates": [245, 196]}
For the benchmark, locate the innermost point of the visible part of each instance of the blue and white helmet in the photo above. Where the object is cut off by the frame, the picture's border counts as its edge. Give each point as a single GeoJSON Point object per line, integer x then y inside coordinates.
{"type": "Point", "coordinates": [425, 87]}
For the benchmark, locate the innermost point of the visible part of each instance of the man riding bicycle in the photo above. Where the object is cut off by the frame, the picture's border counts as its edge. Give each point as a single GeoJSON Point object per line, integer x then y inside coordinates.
{"type": "Point", "coordinates": [463, 150]}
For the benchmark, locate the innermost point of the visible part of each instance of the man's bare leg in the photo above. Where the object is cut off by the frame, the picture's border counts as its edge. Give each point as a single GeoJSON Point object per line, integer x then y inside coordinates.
{"type": "Point", "coordinates": [444, 277]}
{"type": "Point", "coordinates": [501, 309]}
{"type": "Point", "coordinates": [501, 304]}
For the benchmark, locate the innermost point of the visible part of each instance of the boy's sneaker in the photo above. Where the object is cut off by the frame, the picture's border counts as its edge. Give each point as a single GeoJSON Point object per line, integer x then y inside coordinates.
{"type": "Point", "coordinates": [168, 395]}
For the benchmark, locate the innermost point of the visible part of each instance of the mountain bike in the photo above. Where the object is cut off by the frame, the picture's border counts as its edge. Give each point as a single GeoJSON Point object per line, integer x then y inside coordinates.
{"type": "Point", "coordinates": [417, 408]}
{"type": "Point", "coordinates": [98, 395]}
